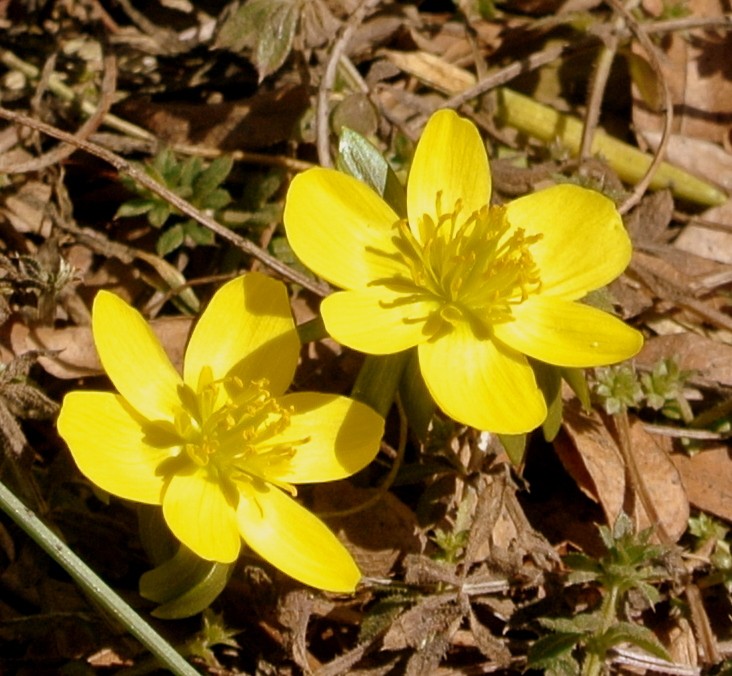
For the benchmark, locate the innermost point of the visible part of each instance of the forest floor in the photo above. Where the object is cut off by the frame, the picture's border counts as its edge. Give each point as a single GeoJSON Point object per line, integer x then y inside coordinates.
{"type": "Point", "coordinates": [601, 543]}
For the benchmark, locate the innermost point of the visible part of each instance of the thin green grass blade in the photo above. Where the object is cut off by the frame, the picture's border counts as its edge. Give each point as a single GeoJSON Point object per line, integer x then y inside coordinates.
{"type": "Point", "coordinates": [92, 585]}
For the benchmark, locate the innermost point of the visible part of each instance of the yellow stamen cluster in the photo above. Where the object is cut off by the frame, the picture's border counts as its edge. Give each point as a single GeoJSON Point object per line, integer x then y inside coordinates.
{"type": "Point", "coordinates": [228, 426]}
{"type": "Point", "coordinates": [471, 266]}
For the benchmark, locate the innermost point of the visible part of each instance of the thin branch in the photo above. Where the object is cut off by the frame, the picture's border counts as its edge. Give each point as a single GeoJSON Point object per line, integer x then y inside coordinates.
{"type": "Point", "coordinates": [60, 153]}
{"type": "Point", "coordinates": [174, 200]}
{"type": "Point", "coordinates": [329, 76]}
{"type": "Point", "coordinates": [92, 584]}
{"type": "Point", "coordinates": [667, 110]}
{"type": "Point", "coordinates": [526, 65]}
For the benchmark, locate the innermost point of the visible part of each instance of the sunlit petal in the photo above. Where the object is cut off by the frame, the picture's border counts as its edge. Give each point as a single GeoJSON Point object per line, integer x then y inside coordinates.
{"type": "Point", "coordinates": [247, 330]}
{"type": "Point", "coordinates": [450, 160]}
{"type": "Point", "coordinates": [340, 228]}
{"type": "Point", "coordinates": [106, 440]}
{"type": "Point", "coordinates": [568, 334]}
{"type": "Point", "coordinates": [201, 517]}
{"type": "Point", "coordinates": [341, 436]}
{"type": "Point", "coordinates": [133, 357]}
{"type": "Point", "coordinates": [295, 541]}
{"type": "Point", "coordinates": [583, 243]}
{"type": "Point", "coordinates": [482, 384]}
{"type": "Point", "coordinates": [370, 322]}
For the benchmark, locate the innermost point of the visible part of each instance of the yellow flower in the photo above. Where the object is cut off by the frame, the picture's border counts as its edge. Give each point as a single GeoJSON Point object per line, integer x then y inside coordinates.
{"type": "Point", "coordinates": [221, 447]}
{"type": "Point", "coordinates": [476, 287]}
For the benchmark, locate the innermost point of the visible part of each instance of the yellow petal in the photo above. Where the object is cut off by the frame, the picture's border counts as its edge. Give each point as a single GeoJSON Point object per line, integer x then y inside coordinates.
{"type": "Point", "coordinates": [295, 541]}
{"type": "Point", "coordinates": [360, 320]}
{"type": "Point", "coordinates": [247, 330]}
{"type": "Point", "coordinates": [133, 358]}
{"type": "Point", "coordinates": [106, 440]}
{"type": "Point", "coordinates": [340, 228]}
{"type": "Point", "coordinates": [583, 242]}
{"type": "Point", "coordinates": [342, 437]}
{"type": "Point", "coordinates": [200, 516]}
{"type": "Point", "coordinates": [450, 159]}
{"type": "Point", "coordinates": [568, 334]}
{"type": "Point", "coordinates": [482, 384]}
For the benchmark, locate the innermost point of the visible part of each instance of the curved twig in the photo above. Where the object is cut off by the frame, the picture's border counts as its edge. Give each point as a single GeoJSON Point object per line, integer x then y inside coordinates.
{"type": "Point", "coordinates": [504, 75]}
{"type": "Point", "coordinates": [668, 110]}
{"type": "Point", "coordinates": [383, 489]}
{"type": "Point", "coordinates": [326, 84]}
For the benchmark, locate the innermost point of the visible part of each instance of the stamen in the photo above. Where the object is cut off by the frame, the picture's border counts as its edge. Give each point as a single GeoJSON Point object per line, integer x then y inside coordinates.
{"type": "Point", "coordinates": [472, 267]}
{"type": "Point", "coordinates": [231, 428]}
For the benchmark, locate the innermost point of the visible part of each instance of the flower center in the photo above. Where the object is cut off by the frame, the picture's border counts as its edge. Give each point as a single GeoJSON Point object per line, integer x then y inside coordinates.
{"type": "Point", "coordinates": [230, 428]}
{"type": "Point", "coordinates": [473, 267]}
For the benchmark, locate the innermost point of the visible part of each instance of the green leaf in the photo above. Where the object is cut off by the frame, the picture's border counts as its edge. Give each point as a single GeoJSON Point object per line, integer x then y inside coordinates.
{"type": "Point", "coordinates": [159, 214]}
{"type": "Point", "coordinates": [378, 380]}
{"type": "Point", "coordinates": [170, 240]}
{"type": "Point", "coordinates": [190, 170]}
{"type": "Point", "coordinates": [552, 651]}
{"type": "Point", "coordinates": [380, 617]}
{"type": "Point", "coordinates": [135, 207]}
{"type": "Point", "coordinates": [515, 447]}
{"type": "Point", "coordinates": [213, 176]}
{"type": "Point", "coordinates": [638, 635]}
{"type": "Point", "coordinates": [416, 398]}
{"type": "Point", "coordinates": [215, 200]}
{"type": "Point", "coordinates": [584, 623]}
{"type": "Point", "coordinates": [577, 380]}
{"type": "Point", "coordinates": [582, 562]}
{"type": "Point", "coordinates": [185, 584]}
{"type": "Point", "coordinates": [549, 380]}
{"type": "Point", "coordinates": [359, 158]}
{"type": "Point", "coordinates": [198, 233]}
{"type": "Point", "coordinates": [267, 27]}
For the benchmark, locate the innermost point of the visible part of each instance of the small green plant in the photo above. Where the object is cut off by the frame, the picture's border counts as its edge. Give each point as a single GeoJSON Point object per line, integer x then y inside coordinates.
{"type": "Point", "coordinates": [213, 633]}
{"type": "Point", "coordinates": [580, 644]}
{"type": "Point", "coordinates": [711, 536]}
{"type": "Point", "coordinates": [189, 179]}
{"type": "Point", "coordinates": [663, 388]}
{"type": "Point", "coordinates": [452, 542]}
{"type": "Point", "coordinates": [660, 389]}
{"type": "Point", "coordinates": [618, 388]}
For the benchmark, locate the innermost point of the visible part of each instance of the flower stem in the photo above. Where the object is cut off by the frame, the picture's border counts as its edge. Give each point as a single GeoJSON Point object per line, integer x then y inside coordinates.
{"type": "Point", "coordinates": [595, 660]}
{"type": "Point", "coordinates": [91, 584]}
{"type": "Point", "coordinates": [378, 380]}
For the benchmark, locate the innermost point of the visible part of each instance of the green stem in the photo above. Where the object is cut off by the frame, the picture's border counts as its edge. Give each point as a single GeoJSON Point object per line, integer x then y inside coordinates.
{"type": "Point", "coordinates": [630, 163]}
{"type": "Point", "coordinates": [596, 658]}
{"type": "Point", "coordinates": [378, 380]}
{"type": "Point", "coordinates": [312, 330]}
{"type": "Point", "coordinates": [92, 585]}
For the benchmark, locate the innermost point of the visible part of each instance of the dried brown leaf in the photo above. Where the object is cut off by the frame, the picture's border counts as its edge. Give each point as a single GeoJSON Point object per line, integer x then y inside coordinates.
{"type": "Point", "coordinates": [589, 451]}
{"type": "Point", "coordinates": [293, 612]}
{"type": "Point", "coordinates": [378, 536]}
{"type": "Point", "coordinates": [75, 355]}
{"type": "Point", "coordinates": [713, 244]}
{"type": "Point", "coordinates": [491, 646]}
{"type": "Point", "coordinates": [501, 534]}
{"type": "Point", "coordinates": [26, 208]}
{"type": "Point", "coordinates": [258, 122]}
{"type": "Point", "coordinates": [707, 477]}
{"type": "Point", "coordinates": [694, 65]}
{"type": "Point", "coordinates": [430, 617]}
{"type": "Point", "coordinates": [705, 357]}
